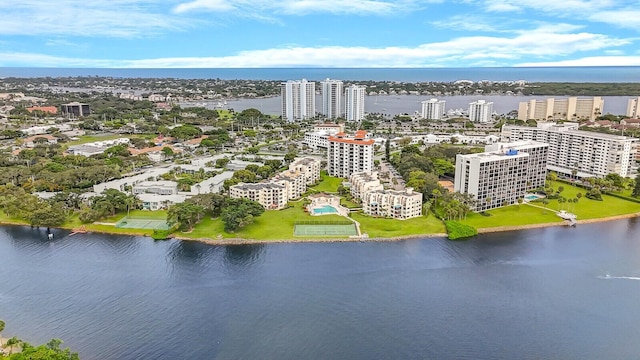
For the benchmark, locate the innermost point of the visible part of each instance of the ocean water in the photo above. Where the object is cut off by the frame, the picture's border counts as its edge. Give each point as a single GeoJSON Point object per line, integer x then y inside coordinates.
{"type": "Point", "coordinates": [540, 74]}
{"type": "Point", "coordinates": [554, 293]}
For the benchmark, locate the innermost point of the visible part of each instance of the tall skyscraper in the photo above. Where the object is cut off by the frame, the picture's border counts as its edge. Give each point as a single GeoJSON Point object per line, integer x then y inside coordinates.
{"type": "Point", "coordinates": [349, 154]}
{"type": "Point", "coordinates": [298, 100]}
{"type": "Point", "coordinates": [331, 98]}
{"type": "Point", "coordinates": [354, 102]}
{"type": "Point", "coordinates": [433, 109]}
{"type": "Point", "coordinates": [480, 111]}
{"type": "Point", "coordinates": [633, 108]}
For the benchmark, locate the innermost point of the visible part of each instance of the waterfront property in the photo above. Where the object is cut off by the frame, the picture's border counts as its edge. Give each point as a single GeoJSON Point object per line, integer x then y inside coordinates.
{"type": "Point", "coordinates": [395, 204]}
{"type": "Point", "coordinates": [572, 108]}
{"type": "Point", "coordinates": [501, 175]}
{"type": "Point", "coordinates": [578, 153]}
{"type": "Point", "coordinates": [298, 100]}
{"type": "Point", "coordinates": [480, 111]}
{"type": "Point", "coordinates": [433, 109]}
{"type": "Point", "coordinates": [331, 98]}
{"type": "Point", "coordinates": [349, 154]}
{"type": "Point", "coordinates": [323, 204]}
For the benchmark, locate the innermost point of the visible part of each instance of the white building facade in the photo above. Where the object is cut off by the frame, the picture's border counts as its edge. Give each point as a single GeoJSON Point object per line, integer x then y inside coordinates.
{"type": "Point", "coordinates": [298, 100]}
{"type": "Point", "coordinates": [433, 109]}
{"type": "Point", "coordinates": [480, 111]}
{"type": "Point", "coordinates": [349, 154]}
{"type": "Point", "coordinates": [354, 102]}
{"type": "Point", "coordinates": [362, 182]}
{"type": "Point", "coordinates": [319, 138]}
{"type": "Point", "coordinates": [332, 98]}
{"type": "Point", "coordinates": [395, 204]}
{"type": "Point", "coordinates": [573, 152]}
{"type": "Point", "coordinates": [500, 177]}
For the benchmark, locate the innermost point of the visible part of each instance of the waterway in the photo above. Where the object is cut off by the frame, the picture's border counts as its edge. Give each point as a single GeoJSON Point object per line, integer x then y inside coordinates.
{"type": "Point", "coordinates": [562, 293]}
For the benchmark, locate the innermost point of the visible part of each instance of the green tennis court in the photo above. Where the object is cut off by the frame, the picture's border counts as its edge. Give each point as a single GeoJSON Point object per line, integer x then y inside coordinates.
{"type": "Point", "coordinates": [135, 223]}
{"type": "Point", "coordinates": [325, 230]}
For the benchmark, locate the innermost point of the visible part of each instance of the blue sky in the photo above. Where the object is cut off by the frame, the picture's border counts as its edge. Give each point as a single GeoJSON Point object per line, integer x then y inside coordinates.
{"type": "Point", "coordinates": [320, 33]}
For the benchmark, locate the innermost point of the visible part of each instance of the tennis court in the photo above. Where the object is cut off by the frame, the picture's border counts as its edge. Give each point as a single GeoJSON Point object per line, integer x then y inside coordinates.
{"type": "Point", "coordinates": [325, 230]}
{"type": "Point", "coordinates": [136, 223]}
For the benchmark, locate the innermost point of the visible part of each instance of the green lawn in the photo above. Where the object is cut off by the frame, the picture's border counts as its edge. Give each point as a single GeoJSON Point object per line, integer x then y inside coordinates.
{"type": "Point", "coordinates": [385, 228]}
{"type": "Point", "coordinates": [328, 183]}
{"type": "Point", "coordinates": [349, 204]}
{"type": "Point", "coordinates": [92, 138]}
{"type": "Point", "coordinates": [137, 214]}
{"type": "Point", "coordinates": [514, 215]}
{"type": "Point", "coordinates": [271, 225]}
{"type": "Point", "coordinates": [592, 209]}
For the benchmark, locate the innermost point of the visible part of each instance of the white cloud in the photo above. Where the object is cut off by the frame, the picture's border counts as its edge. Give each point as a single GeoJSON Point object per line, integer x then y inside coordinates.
{"type": "Point", "coordinates": [301, 7]}
{"type": "Point", "coordinates": [537, 44]}
{"type": "Point", "coordinates": [111, 18]}
{"type": "Point", "coordinates": [626, 18]}
{"type": "Point", "coordinates": [467, 23]}
{"type": "Point", "coordinates": [565, 7]}
{"type": "Point", "coordinates": [589, 61]}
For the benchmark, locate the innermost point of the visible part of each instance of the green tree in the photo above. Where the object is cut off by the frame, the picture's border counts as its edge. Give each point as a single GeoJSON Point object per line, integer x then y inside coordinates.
{"type": "Point", "coordinates": [636, 188]}
{"type": "Point", "coordinates": [186, 215]}
{"type": "Point", "coordinates": [387, 149]}
{"type": "Point", "coordinates": [238, 213]}
{"type": "Point", "coordinates": [48, 215]}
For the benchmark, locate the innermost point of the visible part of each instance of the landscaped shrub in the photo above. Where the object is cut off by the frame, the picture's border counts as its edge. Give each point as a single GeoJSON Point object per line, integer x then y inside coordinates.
{"type": "Point", "coordinates": [457, 230]}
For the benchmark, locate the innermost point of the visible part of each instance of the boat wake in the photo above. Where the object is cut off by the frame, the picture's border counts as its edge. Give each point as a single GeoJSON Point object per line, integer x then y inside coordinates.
{"type": "Point", "coordinates": [607, 277]}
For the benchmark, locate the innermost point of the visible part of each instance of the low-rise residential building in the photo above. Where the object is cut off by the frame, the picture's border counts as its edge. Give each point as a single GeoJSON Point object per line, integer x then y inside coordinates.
{"type": "Point", "coordinates": [502, 174]}
{"type": "Point", "coordinates": [349, 154]}
{"type": "Point", "coordinates": [97, 147]}
{"type": "Point", "coordinates": [402, 205]}
{"type": "Point", "coordinates": [578, 153]}
{"type": "Point", "coordinates": [271, 195]}
{"type": "Point", "coordinates": [158, 202]}
{"type": "Point", "coordinates": [162, 187]}
{"type": "Point", "coordinates": [289, 184]}
{"type": "Point", "coordinates": [308, 166]}
{"type": "Point", "coordinates": [361, 182]}
{"type": "Point", "coordinates": [319, 137]}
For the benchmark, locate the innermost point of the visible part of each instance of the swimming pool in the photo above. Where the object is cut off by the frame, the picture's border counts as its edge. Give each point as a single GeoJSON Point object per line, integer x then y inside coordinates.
{"type": "Point", "coordinates": [531, 197]}
{"type": "Point", "coordinates": [326, 209]}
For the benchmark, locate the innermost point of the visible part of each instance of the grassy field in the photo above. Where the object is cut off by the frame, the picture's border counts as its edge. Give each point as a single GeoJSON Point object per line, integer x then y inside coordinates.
{"type": "Point", "coordinates": [592, 209]}
{"type": "Point", "coordinates": [513, 215]}
{"type": "Point", "coordinates": [271, 225]}
{"type": "Point", "coordinates": [138, 214]}
{"type": "Point", "coordinates": [328, 183]}
{"type": "Point", "coordinates": [92, 138]}
{"type": "Point", "coordinates": [385, 228]}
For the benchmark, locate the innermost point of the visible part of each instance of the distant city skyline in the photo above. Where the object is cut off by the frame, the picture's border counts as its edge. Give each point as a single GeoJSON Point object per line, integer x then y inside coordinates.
{"type": "Point", "coordinates": [294, 33]}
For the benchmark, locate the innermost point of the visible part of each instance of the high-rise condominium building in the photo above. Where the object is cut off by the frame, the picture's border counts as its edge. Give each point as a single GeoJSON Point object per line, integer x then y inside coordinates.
{"type": "Point", "coordinates": [298, 100]}
{"type": "Point", "coordinates": [433, 109]}
{"type": "Point", "coordinates": [633, 108]}
{"type": "Point", "coordinates": [354, 102]}
{"type": "Point", "coordinates": [571, 108]}
{"type": "Point", "coordinates": [349, 154]}
{"type": "Point", "coordinates": [502, 174]}
{"type": "Point", "coordinates": [573, 152]}
{"type": "Point", "coordinates": [331, 98]}
{"type": "Point", "coordinates": [480, 111]}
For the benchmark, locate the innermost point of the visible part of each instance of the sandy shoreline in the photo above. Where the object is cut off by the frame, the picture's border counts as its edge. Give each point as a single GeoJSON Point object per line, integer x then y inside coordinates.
{"type": "Point", "coordinates": [241, 241]}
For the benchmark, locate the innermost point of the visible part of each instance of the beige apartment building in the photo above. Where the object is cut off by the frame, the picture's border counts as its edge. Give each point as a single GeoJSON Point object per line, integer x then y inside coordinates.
{"type": "Point", "coordinates": [401, 205]}
{"type": "Point", "coordinates": [633, 108]}
{"type": "Point", "coordinates": [572, 108]}
{"type": "Point", "coordinates": [361, 182]}
{"type": "Point", "coordinates": [272, 196]}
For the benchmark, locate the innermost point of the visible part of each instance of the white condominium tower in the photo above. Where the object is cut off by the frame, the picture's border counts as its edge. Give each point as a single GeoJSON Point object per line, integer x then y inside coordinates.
{"type": "Point", "coordinates": [502, 174]}
{"type": "Point", "coordinates": [298, 100]}
{"type": "Point", "coordinates": [354, 102]}
{"type": "Point", "coordinates": [347, 155]}
{"type": "Point", "coordinates": [433, 109]}
{"type": "Point", "coordinates": [571, 108]}
{"type": "Point", "coordinates": [633, 108]}
{"type": "Point", "coordinates": [579, 153]}
{"type": "Point", "coordinates": [331, 98]}
{"type": "Point", "coordinates": [480, 111]}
